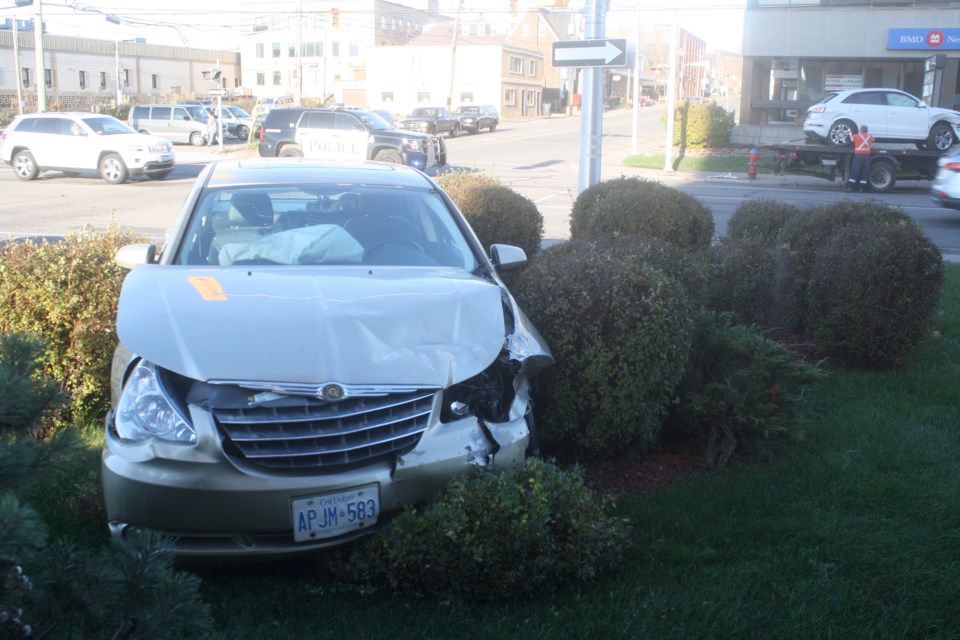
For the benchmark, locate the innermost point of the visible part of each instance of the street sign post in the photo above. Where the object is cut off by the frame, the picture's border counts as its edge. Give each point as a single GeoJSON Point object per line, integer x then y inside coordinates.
{"type": "Point", "coordinates": [218, 92]}
{"type": "Point", "coordinates": [590, 53]}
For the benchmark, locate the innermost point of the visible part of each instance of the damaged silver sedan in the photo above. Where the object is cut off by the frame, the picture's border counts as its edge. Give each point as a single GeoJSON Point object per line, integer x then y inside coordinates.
{"type": "Point", "coordinates": [315, 347]}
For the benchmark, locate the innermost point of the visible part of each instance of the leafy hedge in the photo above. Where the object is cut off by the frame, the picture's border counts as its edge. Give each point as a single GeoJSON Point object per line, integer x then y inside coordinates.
{"type": "Point", "coordinates": [641, 207]}
{"type": "Point", "coordinates": [761, 218]}
{"type": "Point", "coordinates": [702, 126]}
{"type": "Point", "coordinates": [66, 292]}
{"type": "Point", "coordinates": [503, 536]}
{"type": "Point", "coordinates": [620, 330]}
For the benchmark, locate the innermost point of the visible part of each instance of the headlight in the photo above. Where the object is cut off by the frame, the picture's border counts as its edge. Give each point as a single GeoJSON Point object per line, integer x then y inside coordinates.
{"type": "Point", "coordinates": [145, 410]}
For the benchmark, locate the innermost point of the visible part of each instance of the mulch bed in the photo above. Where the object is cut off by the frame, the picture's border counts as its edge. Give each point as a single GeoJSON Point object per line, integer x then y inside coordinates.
{"type": "Point", "coordinates": [648, 473]}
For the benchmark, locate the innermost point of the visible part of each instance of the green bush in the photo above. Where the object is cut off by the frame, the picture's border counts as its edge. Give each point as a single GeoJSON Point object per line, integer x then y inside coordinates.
{"type": "Point", "coordinates": [641, 207]}
{"type": "Point", "coordinates": [457, 183]}
{"type": "Point", "coordinates": [740, 390]}
{"type": "Point", "coordinates": [761, 218]}
{"type": "Point", "coordinates": [498, 214]}
{"type": "Point", "coordinates": [504, 536]}
{"type": "Point", "coordinates": [804, 235]}
{"type": "Point", "coordinates": [872, 293]}
{"type": "Point", "coordinates": [755, 280]}
{"type": "Point", "coordinates": [66, 292]}
{"type": "Point", "coordinates": [702, 126]}
{"type": "Point", "coordinates": [620, 330]}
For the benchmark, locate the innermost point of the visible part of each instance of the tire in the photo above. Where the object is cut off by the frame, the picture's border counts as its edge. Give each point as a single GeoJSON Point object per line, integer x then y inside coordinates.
{"type": "Point", "coordinates": [112, 169]}
{"type": "Point", "coordinates": [25, 166]}
{"type": "Point", "coordinates": [493, 127]}
{"type": "Point", "coordinates": [391, 156]}
{"type": "Point", "coordinates": [198, 139]}
{"type": "Point", "coordinates": [291, 151]}
{"type": "Point", "coordinates": [882, 176]}
{"type": "Point", "coordinates": [243, 132]}
{"type": "Point", "coordinates": [159, 175]}
{"type": "Point", "coordinates": [841, 132]}
{"type": "Point", "coordinates": [432, 130]}
{"type": "Point", "coordinates": [941, 137]}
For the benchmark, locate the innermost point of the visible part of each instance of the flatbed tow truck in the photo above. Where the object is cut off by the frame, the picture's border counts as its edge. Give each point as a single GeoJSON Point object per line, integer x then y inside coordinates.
{"type": "Point", "coordinates": [887, 165]}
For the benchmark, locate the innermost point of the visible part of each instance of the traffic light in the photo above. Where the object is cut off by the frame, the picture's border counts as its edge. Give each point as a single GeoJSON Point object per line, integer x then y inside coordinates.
{"type": "Point", "coordinates": [335, 17]}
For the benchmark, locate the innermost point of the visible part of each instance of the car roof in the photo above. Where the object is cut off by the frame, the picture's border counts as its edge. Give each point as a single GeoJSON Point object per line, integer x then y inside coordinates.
{"type": "Point", "coordinates": [279, 171]}
{"type": "Point", "coordinates": [61, 114]}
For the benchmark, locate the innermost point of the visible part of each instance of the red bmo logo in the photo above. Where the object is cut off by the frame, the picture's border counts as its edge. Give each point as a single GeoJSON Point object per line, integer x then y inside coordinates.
{"type": "Point", "coordinates": [935, 38]}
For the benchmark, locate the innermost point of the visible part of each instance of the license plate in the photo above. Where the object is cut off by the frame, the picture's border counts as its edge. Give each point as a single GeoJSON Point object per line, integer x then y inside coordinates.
{"type": "Point", "coordinates": [334, 514]}
{"type": "Point", "coordinates": [829, 162]}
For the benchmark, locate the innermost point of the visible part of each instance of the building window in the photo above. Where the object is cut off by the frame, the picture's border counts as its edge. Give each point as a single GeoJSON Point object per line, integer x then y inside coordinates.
{"type": "Point", "coordinates": [312, 49]}
{"type": "Point", "coordinates": [516, 65]}
{"type": "Point", "coordinates": [83, 79]}
{"type": "Point", "coordinates": [48, 77]}
{"type": "Point", "coordinates": [276, 78]}
{"type": "Point", "coordinates": [155, 81]}
{"type": "Point", "coordinates": [103, 80]}
{"type": "Point", "coordinates": [260, 50]}
{"type": "Point", "coordinates": [25, 76]}
{"type": "Point", "coordinates": [466, 97]}
{"type": "Point", "coordinates": [126, 77]}
{"type": "Point", "coordinates": [276, 49]}
{"type": "Point", "coordinates": [510, 97]}
{"type": "Point", "coordinates": [261, 79]}
{"type": "Point", "coordinates": [383, 23]}
{"type": "Point", "coordinates": [354, 49]}
{"type": "Point", "coordinates": [423, 96]}
{"type": "Point", "coordinates": [533, 68]}
{"type": "Point", "coordinates": [335, 50]}
{"type": "Point", "coordinates": [292, 50]}
{"type": "Point", "coordinates": [531, 98]}
{"type": "Point", "coordinates": [386, 96]}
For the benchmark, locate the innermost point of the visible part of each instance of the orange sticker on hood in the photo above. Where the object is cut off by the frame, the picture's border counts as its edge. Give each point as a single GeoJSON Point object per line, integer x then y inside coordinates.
{"type": "Point", "coordinates": [208, 288]}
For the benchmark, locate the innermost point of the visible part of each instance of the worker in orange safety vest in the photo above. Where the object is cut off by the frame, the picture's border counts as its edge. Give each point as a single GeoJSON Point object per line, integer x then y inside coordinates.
{"type": "Point", "coordinates": [859, 178]}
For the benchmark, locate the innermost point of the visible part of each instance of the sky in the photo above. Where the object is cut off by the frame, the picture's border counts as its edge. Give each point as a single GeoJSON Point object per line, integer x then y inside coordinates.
{"type": "Point", "coordinates": [220, 24]}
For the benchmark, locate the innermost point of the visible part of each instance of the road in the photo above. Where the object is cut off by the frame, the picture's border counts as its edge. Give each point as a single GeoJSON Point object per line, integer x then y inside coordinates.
{"type": "Point", "coordinates": [537, 158]}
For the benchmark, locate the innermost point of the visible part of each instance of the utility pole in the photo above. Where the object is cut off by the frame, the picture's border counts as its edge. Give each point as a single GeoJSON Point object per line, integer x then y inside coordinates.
{"type": "Point", "coordinates": [41, 67]}
{"type": "Point", "coordinates": [591, 120]}
{"type": "Point", "coordinates": [16, 65]}
{"type": "Point", "coordinates": [453, 55]}
{"type": "Point", "coordinates": [672, 93]}
{"type": "Point", "coordinates": [116, 44]}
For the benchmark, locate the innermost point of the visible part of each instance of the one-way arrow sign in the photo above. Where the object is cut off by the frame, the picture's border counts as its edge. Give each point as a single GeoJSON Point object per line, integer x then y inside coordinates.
{"type": "Point", "coordinates": [590, 53]}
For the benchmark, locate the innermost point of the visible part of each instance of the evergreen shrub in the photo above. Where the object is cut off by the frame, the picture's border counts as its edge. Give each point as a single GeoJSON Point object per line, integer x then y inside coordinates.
{"type": "Point", "coordinates": [493, 536]}
{"type": "Point", "coordinates": [702, 126]}
{"type": "Point", "coordinates": [872, 294]}
{"type": "Point", "coordinates": [754, 280]}
{"type": "Point", "coordinates": [762, 218]}
{"type": "Point", "coordinates": [641, 207]}
{"type": "Point", "coordinates": [66, 292]}
{"type": "Point", "coordinates": [620, 331]}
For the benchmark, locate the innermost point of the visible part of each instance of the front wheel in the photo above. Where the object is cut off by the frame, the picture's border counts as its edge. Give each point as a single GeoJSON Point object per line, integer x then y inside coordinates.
{"type": "Point", "coordinates": [198, 139]}
{"type": "Point", "coordinates": [243, 132]}
{"type": "Point", "coordinates": [112, 169]}
{"type": "Point", "coordinates": [493, 127]}
{"type": "Point", "coordinates": [389, 155]}
{"type": "Point", "coordinates": [25, 166]}
{"type": "Point", "coordinates": [941, 137]}
{"type": "Point", "coordinates": [841, 132]}
{"type": "Point", "coordinates": [882, 176]}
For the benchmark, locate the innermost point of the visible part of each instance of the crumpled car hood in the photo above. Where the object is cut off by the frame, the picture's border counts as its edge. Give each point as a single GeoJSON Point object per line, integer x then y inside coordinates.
{"type": "Point", "coordinates": [353, 325]}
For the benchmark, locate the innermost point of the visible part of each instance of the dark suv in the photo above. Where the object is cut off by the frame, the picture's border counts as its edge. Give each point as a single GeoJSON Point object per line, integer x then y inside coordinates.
{"type": "Point", "coordinates": [339, 134]}
{"type": "Point", "coordinates": [474, 117]}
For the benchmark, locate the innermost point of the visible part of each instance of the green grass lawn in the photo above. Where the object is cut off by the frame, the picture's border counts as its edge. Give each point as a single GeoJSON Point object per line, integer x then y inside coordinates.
{"type": "Point", "coordinates": [853, 533]}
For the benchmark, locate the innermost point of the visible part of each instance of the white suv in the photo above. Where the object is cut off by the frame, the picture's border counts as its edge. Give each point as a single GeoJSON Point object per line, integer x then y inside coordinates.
{"type": "Point", "coordinates": [78, 142]}
{"type": "Point", "coordinates": [890, 115]}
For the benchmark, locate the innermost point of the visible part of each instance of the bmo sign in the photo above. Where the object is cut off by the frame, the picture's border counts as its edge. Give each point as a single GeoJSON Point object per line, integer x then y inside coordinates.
{"type": "Point", "coordinates": [924, 39]}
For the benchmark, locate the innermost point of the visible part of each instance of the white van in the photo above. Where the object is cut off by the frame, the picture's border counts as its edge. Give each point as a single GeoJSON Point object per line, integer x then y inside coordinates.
{"type": "Point", "coordinates": [185, 123]}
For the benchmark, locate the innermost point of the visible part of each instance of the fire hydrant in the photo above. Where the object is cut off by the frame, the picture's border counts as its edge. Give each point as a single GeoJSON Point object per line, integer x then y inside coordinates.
{"type": "Point", "coordinates": [754, 160]}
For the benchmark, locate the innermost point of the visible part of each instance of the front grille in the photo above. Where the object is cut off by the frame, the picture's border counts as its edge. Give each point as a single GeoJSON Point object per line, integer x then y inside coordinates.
{"type": "Point", "coordinates": [319, 436]}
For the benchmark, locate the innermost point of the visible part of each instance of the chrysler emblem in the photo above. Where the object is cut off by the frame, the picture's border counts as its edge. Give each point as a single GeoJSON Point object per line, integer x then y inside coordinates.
{"type": "Point", "coordinates": [331, 392]}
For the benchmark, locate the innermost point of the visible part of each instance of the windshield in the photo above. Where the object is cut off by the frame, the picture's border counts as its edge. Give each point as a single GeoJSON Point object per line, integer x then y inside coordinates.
{"type": "Point", "coordinates": [237, 111]}
{"type": "Point", "coordinates": [107, 126]}
{"type": "Point", "coordinates": [430, 112]}
{"type": "Point", "coordinates": [313, 224]}
{"type": "Point", "coordinates": [372, 120]}
{"type": "Point", "coordinates": [468, 110]}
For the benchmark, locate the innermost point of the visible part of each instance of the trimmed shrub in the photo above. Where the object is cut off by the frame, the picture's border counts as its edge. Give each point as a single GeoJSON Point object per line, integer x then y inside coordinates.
{"type": "Point", "coordinates": [755, 280]}
{"type": "Point", "coordinates": [641, 207]}
{"type": "Point", "coordinates": [620, 330]}
{"type": "Point", "coordinates": [740, 390]}
{"type": "Point", "coordinates": [806, 234]}
{"type": "Point", "coordinates": [702, 126]}
{"type": "Point", "coordinates": [762, 219]}
{"type": "Point", "coordinates": [502, 536]}
{"type": "Point", "coordinates": [456, 183]}
{"type": "Point", "coordinates": [66, 292]}
{"type": "Point", "coordinates": [872, 293]}
{"type": "Point", "coordinates": [498, 214]}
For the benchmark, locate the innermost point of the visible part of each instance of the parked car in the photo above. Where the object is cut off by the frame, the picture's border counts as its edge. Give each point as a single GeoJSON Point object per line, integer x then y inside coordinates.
{"type": "Point", "coordinates": [347, 135]}
{"type": "Point", "coordinates": [316, 346]}
{"type": "Point", "coordinates": [890, 115]}
{"type": "Point", "coordinates": [946, 184]}
{"type": "Point", "coordinates": [387, 117]}
{"type": "Point", "coordinates": [237, 123]}
{"type": "Point", "coordinates": [184, 123]}
{"type": "Point", "coordinates": [474, 117]}
{"type": "Point", "coordinates": [432, 120]}
{"type": "Point", "coordinates": [269, 102]}
{"type": "Point", "coordinates": [78, 142]}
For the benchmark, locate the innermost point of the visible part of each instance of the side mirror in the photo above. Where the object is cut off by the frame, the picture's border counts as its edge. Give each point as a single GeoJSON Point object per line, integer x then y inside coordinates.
{"type": "Point", "coordinates": [131, 255]}
{"type": "Point", "coordinates": [506, 257]}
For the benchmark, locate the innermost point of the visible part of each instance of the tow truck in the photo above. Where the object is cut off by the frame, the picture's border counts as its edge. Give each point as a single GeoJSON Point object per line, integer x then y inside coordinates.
{"type": "Point", "coordinates": [887, 165]}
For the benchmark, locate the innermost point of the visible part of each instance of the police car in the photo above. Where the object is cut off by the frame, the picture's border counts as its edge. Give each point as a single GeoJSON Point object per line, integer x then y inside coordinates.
{"type": "Point", "coordinates": [346, 135]}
